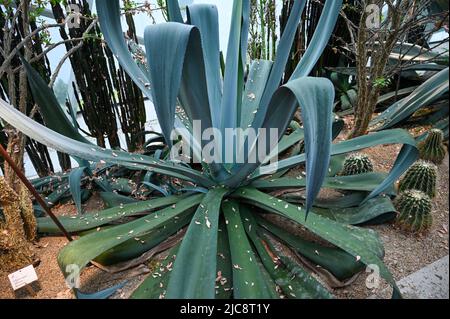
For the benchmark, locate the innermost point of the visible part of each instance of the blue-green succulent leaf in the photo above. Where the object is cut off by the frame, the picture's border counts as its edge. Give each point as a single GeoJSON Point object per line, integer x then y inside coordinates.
{"type": "Point", "coordinates": [254, 89]}
{"type": "Point", "coordinates": [177, 68]}
{"type": "Point", "coordinates": [75, 186]}
{"type": "Point", "coordinates": [315, 97]}
{"type": "Point", "coordinates": [205, 18]}
{"type": "Point", "coordinates": [109, 18]}
{"type": "Point", "coordinates": [64, 144]}
{"type": "Point", "coordinates": [424, 95]}
{"type": "Point", "coordinates": [194, 271]}
{"type": "Point", "coordinates": [173, 8]}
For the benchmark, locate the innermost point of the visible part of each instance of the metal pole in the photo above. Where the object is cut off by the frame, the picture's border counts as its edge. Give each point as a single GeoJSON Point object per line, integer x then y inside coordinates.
{"type": "Point", "coordinates": [33, 191]}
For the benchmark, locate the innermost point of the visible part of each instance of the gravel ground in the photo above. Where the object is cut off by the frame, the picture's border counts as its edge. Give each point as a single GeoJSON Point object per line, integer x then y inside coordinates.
{"type": "Point", "coordinates": [405, 253]}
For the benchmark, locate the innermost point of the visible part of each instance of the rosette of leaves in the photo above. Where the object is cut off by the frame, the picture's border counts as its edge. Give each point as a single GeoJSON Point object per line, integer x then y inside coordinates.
{"type": "Point", "coordinates": [224, 251]}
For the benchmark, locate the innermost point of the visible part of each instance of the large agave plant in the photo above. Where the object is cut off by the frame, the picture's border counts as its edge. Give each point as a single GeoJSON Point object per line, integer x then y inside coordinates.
{"type": "Point", "coordinates": [229, 248]}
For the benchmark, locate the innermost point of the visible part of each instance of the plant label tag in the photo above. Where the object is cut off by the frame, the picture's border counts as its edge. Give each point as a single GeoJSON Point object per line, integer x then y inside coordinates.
{"type": "Point", "coordinates": [23, 277]}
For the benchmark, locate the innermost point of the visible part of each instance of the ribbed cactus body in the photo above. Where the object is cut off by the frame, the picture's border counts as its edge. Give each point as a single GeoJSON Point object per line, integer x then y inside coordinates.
{"type": "Point", "coordinates": [414, 208]}
{"type": "Point", "coordinates": [421, 176]}
{"type": "Point", "coordinates": [432, 148]}
{"type": "Point", "coordinates": [357, 164]}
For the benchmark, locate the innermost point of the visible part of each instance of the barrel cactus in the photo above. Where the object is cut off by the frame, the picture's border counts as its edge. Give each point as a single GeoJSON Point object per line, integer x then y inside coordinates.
{"type": "Point", "coordinates": [432, 148]}
{"type": "Point", "coordinates": [357, 164]}
{"type": "Point", "coordinates": [414, 209]}
{"type": "Point", "coordinates": [421, 176]}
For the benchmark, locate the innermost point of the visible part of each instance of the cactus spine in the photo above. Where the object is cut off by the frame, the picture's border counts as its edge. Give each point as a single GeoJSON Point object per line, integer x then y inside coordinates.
{"type": "Point", "coordinates": [414, 209]}
{"type": "Point", "coordinates": [357, 164]}
{"type": "Point", "coordinates": [432, 148]}
{"type": "Point", "coordinates": [421, 176]}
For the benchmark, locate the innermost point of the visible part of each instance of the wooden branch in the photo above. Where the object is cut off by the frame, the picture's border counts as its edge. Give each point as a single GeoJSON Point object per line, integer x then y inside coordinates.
{"type": "Point", "coordinates": [16, 50]}
{"type": "Point", "coordinates": [53, 46]}
{"type": "Point", "coordinates": [61, 63]}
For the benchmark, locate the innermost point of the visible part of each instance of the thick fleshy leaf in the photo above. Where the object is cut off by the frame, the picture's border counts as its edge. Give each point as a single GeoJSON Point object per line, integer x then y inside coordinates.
{"type": "Point", "coordinates": [157, 188]}
{"type": "Point", "coordinates": [248, 282]}
{"type": "Point", "coordinates": [295, 212]}
{"type": "Point", "coordinates": [315, 97]}
{"type": "Point", "coordinates": [355, 241]}
{"type": "Point", "coordinates": [373, 212]}
{"type": "Point", "coordinates": [111, 199]}
{"type": "Point", "coordinates": [246, 7]}
{"type": "Point", "coordinates": [136, 247]}
{"type": "Point", "coordinates": [254, 88]}
{"type": "Point", "coordinates": [432, 114]}
{"type": "Point", "coordinates": [123, 185]}
{"type": "Point", "coordinates": [88, 247]}
{"type": "Point", "coordinates": [224, 280]}
{"type": "Point", "coordinates": [205, 18]}
{"type": "Point", "coordinates": [407, 156]}
{"type": "Point", "coordinates": [243, 56]}
{"type": "Point", "coordinates": [183, 129]}
{"type": "Point", "coordinates": [338, 126]}
{"type": "Point", "coordinates": [175, 58]}
{"type": "Point", "coordinates": [107, 216]}
{"type": "Point", "coordinates": [104, 294]}
{"type": "Point", "coordinates": [194, 190]}
{"type": "Point", "coordinates": [352, 199]}
{"type": "Point", "coordinates": [103, 183]}
{"type": "Point", "coordinates": [64, 144]}
{"type": "Point", "coordinates": [57, 195]}
{"type": "Point", "coordinates": [49, 181]}
{"type": "Point", "coordinates": [424, 95]}
{"type": "Point", "coordinates": [294, 281]}
{"type": "Point", "coordinates": [341, 264]}
{"type": "Point", "coordinates": [155, 285]}
{"type": "Point", "coordinates": [351, 209]}
{"type": "Point", "coordinates": [194, 272]}
{"type": "Point", "coordinates": [109, 18]}
{"type": "Point", "coordinates": [363, 182]}
{"type": "Point", "coordinates": [234, 72]}
{"type": "Point", "coordinates": [399, 93]}
{"type": "Point", "coordinates": [173, 8]}
{"type": "Point", "coordinates": [423, 67]}
{"type": "Point", "coordinates": [149, 175]}
{"type": "Point", "coordinates": [336, 165]}
{"type": "Point", "coordinates": [75, 186]}
{"type": "Point", "coordinates": [287, 142]}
